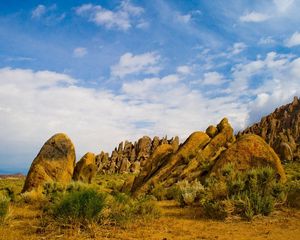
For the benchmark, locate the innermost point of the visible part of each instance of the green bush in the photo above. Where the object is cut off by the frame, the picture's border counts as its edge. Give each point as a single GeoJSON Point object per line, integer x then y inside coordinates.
{"type": "Point", "coordinates": [252, 192]}
{"type": "Point", "coordinates": [122, 208]}
{"type": "Point", "coordinates": [53, 191]}
{"type": "Point", "coordinates": [187, 193]}
{"type": "Point", "coordinates": [79, 206]}
{"type": "Point", "coordinates": [4, 208]}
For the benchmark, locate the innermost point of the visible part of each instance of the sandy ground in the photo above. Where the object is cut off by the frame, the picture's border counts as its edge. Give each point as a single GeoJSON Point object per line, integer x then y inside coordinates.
{"type": "Point", "coordinates": [176, 223]}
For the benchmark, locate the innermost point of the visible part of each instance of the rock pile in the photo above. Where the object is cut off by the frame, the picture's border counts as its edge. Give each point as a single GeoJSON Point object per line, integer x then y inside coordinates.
{"type": "Point", "coordinates": [131, 157]}
{"type": "Point", "coordinates": [281, 130]}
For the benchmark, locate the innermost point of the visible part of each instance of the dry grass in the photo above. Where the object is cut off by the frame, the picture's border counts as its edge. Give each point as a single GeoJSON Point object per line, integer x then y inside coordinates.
{"type": "Point", "coordinates": [27, 222]}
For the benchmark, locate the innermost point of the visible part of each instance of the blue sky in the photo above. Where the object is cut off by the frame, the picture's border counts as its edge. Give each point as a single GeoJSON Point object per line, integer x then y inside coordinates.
{"type": "Point", "coordinates": [106, 71]}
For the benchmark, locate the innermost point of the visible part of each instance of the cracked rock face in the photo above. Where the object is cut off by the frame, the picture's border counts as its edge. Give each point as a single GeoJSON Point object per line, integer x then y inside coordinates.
{"type": "Point", "coordinates": [54, 162]}
{"type": "Point", "coordinates": [281, 130]}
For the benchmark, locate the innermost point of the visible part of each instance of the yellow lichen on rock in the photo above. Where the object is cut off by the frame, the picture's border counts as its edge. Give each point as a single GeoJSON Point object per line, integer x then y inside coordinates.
{"type": "Point", "coordinates": [54, 162]}
{"type": "Point", "coordinates": [86, 168]}
{"type": "Point", "coordinates": [249, 151]}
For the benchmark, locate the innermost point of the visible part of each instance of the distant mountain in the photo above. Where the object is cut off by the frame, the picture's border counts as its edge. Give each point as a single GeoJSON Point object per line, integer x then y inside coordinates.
{"type": "Point", "coordinates": [281, 130]}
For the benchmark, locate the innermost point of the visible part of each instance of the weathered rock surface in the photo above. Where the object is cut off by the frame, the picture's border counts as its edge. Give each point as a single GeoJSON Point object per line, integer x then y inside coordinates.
{"type": "Point", "coordinates": [281, 130]}
{"type": "Point", "coordinates": [54, 162]}
{"type": "Point", "coordinates": [194, 158]}
{"type": "Point", "coordinates": [86, 169]}
{"type": "Point", "coordinates": [202, 155]}
{"type": "Point", "coordinates": [249, 151]}
{"type": "Point", "coordinates": [131, 157]}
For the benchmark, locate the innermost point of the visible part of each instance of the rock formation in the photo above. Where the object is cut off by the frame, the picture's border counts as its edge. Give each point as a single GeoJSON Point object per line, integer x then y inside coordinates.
{"type": "Point", "coordinates": [86, 169]}
{"type": "Point", "coordinates": [249, 151]}
{"type": "Point", "coordinates": [203, 154]}
{"type": "Point", "coordinates": [281, 129]}
{"type": "Point", "coordinates": [54, 162]}
{"type": "Point", "coordinates": [131, 157]}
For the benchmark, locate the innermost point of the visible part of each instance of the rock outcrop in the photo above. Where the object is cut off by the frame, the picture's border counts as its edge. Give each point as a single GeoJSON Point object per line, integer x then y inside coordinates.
{"type": "Point", "coordinates": [249, 151]}
{"type": "Point", "coordinates": [193, 160]}
{"type": "Point", "coordinates": [202, 155]}
{"type": "Point", "coordinates": [131, 157]}
{"type": "Point", "coordinates": [281, 130]}
{"type": "Point", "coordinates": [54, 162]}
{"type": "Point", "coordinates": [86, 169]}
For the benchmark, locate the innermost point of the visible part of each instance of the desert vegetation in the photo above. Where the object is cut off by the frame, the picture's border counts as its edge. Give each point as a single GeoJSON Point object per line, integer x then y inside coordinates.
{"type": "Point", "coordinates": [82, 210]}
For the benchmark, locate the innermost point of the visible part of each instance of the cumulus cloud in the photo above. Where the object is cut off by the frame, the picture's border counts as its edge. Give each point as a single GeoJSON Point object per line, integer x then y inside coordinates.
{"type": "Point", "coordinates": [80, 52]}
{"type": "Point", "coordinates": [146, 63]}
{"type": "Point", "coordinates": [122, 18]}
{"type": "Point", "coordinates": [254, 17]}
{"type": "Point", "coordinates": [238, 48]}
{"type": "Point", "coordinates": [184, 69]}
{"type": "Point", "coordinates": [36, 104]}
{"type": "Point", "coordinates": [213, 78]}
{"type": "Point", "coordinates": [294, 40]}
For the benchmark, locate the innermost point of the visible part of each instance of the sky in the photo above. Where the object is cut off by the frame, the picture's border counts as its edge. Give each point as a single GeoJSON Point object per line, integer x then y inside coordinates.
{"type": "Point", "coordinates": [112, 70]}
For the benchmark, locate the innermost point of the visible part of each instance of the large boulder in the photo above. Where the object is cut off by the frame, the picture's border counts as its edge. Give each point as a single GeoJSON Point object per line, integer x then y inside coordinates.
{"type": "Point", "coordinates": [85, 169]}
{"type": "Point", "coordinates": [249, 151]}
{"type": "Point", "coordinates": [54, 162]}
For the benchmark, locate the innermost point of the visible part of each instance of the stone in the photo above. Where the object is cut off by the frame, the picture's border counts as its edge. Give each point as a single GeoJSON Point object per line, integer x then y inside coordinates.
{"type": "Point", "coordinates": [212, 131]}
{"type": "Point", "coordinates": [54, 163]}
{"type": "Point", "coordinates": [249, 151]}
{"type": "Point", "coordinates": [280, 126]}
{"type": "Point", "coordinates": [156, 160]}
{"type": "Point", "coordinates": [86, 169]}
{"type": "Point", "coordinates": [165, 162]}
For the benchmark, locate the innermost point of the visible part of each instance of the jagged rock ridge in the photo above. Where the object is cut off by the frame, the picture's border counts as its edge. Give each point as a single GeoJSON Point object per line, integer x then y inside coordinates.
{"type": "Point", "coordinates": [131, 157]}
{"type": "Point", "coordinates": [281, 130]}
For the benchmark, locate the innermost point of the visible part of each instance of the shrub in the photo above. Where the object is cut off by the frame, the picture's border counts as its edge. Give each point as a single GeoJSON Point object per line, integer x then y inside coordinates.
{"type": "Point", "coordinates": [253, 192]}
{"type": "Point", "coordinates": [159, 192]}
{"type": "Point", "coordinates": [4, 208]}
{"type": "Point", "coordinates": [214, 209]}
{"type": "Point", "coordinates": [79, 206]}
{"type": "Point", "coordinates": [187, 193]}
{"type": "Point", "coordinates": [33, 197]}
{"type": "Point", "coordinates": [53, 191]}
{"type": "Point", "coordinates": [122, 208]}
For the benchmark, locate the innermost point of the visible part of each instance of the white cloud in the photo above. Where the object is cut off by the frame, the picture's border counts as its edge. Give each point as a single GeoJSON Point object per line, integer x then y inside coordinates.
{"type": "Point", "coordinates": [184, 69]}
{"type": "Point", "coordinates": [39, 11]}
{"type": "Point", "coordinates": [36, 104]}
{"type": "Point", "coordinates": [122, 18]}
{"type": "Point", "coordinates": [266, 41]}
{"type": "Point", "coordinates": [147, 63]}
{"type": "Point", "coordinates": [47, 14]}
{"type": "Point", "coordinates": [254, 17]}
{"type": "Point", "coordinates": [183, 18]}
{"type": "Point", "coordinates": [238, 48]}
{"type": "Point", "coordinates": [213, 78]}
{"type": "Point", "coordinates": [79, 52]}
{"type": "Point", "coordinates": [294, 40]}
{"type": "Point", "coordinates": [283, 5]}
